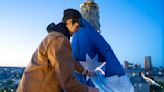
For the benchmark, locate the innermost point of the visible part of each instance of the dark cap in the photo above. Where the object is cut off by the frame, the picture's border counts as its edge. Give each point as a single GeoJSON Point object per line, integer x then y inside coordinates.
{"type": "Point", "coordinates": [75, 15]}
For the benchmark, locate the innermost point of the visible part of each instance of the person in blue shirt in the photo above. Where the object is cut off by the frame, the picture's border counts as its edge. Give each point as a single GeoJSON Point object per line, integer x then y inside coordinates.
{"type": "Point", "coordinates": [88, 41]}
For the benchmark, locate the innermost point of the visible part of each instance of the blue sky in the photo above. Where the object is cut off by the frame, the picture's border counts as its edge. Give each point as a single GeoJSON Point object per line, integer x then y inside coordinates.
{"type": "Point", "coordinates": [133, 28]}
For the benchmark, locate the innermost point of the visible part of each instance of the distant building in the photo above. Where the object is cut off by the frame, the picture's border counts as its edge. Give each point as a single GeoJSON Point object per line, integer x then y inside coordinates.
{"type": "Point", "coordinates": [140, 85]}
{"type": "Point", "coordinates": [148, 65]}
{"type": "Point", "coordinates": [137, 66]}
{"type": "Point", "coordinates": [128, 65]}
{"type": "Point", "coordinates": [134, 72]}
{"type": "Point", "coordinates": [9, 78]}
{"type": "Point", "coordinates": [159, 79]}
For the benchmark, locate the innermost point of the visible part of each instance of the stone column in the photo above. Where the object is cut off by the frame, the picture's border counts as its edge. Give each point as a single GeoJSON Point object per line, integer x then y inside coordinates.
{"type": "Point", "coordinates": [90, 12]}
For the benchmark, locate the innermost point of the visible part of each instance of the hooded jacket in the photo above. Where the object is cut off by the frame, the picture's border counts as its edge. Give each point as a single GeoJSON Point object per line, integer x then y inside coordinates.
{"type": "Point", "coordinates": [52, 65]}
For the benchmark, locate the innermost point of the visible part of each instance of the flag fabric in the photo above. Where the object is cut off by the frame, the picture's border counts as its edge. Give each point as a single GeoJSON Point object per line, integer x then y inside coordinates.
{"type": "Point", "coordinates": [113, 84]}
{"type": "Point", "coordinates": [89, 46]}
{"type": "Point", "coordinates": [88, 41]}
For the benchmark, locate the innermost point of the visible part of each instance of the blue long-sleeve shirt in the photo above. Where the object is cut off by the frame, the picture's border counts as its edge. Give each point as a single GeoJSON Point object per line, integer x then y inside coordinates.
{"type": "Point", "coordinates": [88, 41]}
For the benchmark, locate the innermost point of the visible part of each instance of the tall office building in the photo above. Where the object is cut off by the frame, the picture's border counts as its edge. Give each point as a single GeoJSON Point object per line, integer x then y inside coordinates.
{"type": "Point", "coordinates": [148, 64]}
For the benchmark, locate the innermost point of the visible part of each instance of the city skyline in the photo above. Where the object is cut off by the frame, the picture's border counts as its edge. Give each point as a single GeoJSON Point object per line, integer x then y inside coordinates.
{"type": "Point", "coordinates": [133, 28]}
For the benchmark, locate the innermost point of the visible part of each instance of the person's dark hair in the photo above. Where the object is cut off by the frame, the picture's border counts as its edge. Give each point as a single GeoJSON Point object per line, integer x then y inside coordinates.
{"type": "Point", "coordinates": [73, 14]}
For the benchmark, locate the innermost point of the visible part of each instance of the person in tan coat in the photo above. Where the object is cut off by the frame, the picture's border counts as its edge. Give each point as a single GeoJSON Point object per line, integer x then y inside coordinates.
{"type": "Point", "coordinates": [52, 65]}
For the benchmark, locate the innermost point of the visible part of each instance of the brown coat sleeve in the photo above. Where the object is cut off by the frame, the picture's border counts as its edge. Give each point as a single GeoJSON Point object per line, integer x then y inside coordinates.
{"type": "Point", "coordinates": [78, 67]}
{"type": "Point", "coordinates": [60, 56]}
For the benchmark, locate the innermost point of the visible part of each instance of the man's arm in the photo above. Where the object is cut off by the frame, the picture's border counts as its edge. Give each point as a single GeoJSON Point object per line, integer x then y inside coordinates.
{"type": "Point", "coordinates": [78, 67]}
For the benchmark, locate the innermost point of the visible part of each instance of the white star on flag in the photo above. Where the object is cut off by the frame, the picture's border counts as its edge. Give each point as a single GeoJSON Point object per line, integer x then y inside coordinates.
{"type": "Point", "coordinates": [91, 64]}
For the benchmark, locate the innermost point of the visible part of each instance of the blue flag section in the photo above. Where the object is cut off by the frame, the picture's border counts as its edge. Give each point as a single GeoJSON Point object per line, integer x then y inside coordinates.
{"type": "Point", "coordinates": [88, 41]}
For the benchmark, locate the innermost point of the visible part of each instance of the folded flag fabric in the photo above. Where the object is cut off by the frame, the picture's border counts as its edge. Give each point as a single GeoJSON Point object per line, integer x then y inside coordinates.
{"type": "Point", "coordinates": [113, 83]}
